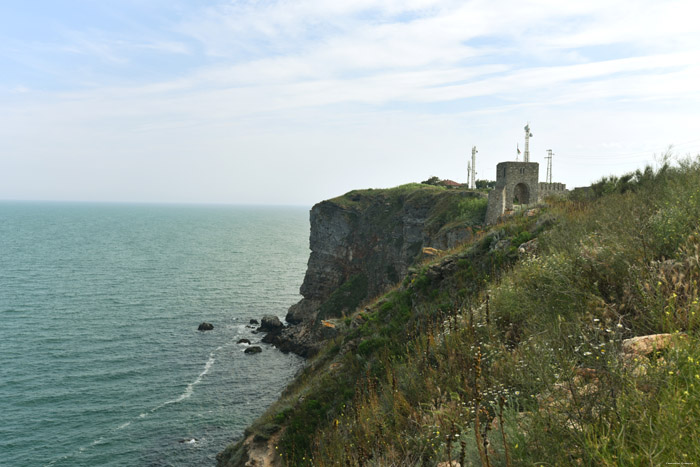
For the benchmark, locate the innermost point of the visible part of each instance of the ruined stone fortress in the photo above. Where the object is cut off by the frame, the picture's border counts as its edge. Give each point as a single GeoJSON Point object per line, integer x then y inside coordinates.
{"type": "Point", "coordinates": [518, 185]}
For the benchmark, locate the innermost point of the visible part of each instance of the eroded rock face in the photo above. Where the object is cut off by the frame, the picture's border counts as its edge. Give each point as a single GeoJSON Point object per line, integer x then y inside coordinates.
{"type": "Point", "coordinates": [362, 244]}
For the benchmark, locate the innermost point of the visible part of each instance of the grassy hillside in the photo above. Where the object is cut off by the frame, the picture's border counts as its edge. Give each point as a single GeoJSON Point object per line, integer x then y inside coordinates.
{"type": "Point", "coordinates": [495, 356]}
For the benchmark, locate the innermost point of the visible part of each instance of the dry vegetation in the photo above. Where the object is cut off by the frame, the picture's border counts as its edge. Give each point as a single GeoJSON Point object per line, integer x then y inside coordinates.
{"type": "Point", "coordinates": [494, 357]}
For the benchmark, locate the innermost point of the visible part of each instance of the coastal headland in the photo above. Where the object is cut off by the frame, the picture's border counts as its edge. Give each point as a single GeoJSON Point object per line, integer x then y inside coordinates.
{"type": "Point", "coordinates": [432, 339]}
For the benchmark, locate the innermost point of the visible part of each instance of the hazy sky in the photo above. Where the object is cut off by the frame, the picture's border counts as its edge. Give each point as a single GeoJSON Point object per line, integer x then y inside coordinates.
{"type": "Point", "coordinates": [291, 102]}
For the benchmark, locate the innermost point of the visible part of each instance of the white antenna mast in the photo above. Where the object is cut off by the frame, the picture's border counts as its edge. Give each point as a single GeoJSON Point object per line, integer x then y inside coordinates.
{"type": "Point", "coordinates": [549, 165]}
{"type": "Point", "coordinates": [473, 168]}
{"type": "Point", "coordinates": [528, 135]}
{"type": "Point", "coordinates": [469, 173]}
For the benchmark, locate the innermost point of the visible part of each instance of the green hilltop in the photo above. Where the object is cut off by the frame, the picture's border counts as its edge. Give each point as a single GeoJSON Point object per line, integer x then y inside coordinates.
{"type": "Point", "coordinates": [518, 347]}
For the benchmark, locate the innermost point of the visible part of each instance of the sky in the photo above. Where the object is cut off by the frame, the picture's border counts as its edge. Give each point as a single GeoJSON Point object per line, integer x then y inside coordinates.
{"type": "Point", "coordinates": [293, 102]}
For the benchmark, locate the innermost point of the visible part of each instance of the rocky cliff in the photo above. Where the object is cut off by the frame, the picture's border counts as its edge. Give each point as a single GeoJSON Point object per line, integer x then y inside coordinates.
{"type": "Point", "coordinates": [529, 344]}
{"type": "Point", "coordinates": [363, 243]}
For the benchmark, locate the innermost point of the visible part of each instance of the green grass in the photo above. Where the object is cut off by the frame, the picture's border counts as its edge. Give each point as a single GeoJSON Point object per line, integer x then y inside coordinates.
{"type": "Point", "coordinates": [533, 342]}
{"type": "Point", "coordinates": [345, 298]}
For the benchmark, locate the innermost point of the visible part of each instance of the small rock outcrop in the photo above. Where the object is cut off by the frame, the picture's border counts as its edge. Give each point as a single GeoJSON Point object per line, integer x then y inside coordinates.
{"type": "Point", "coordinates": [254, 321]}
{"type": "Point", "coordinates": [243, 341]}
{"type": "Point", "coordinates": [205, 327]}
{"type": "Point", "coordinates": [644, 345]}
{"type": "Point", "coordinates": [253, 349]}
{"type": "Point", "coordinates": [270, 323]}
{"type": "Point", "coordinates": [528, 248]}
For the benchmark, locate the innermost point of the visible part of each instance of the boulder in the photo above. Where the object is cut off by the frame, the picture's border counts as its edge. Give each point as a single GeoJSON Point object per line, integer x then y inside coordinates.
{"type": "Point", "coordinates": [243, 341]}
{"type": "Point", "coordinates": [205, 327]}
{"type": "Point", "coordinates": [254, 321]}
{"type": "Point", "coordinates": [644, 345]}
{"type": "Point", "coordinates": [253, 349]}
{"type": "Point", "coordinates": [271, 323]}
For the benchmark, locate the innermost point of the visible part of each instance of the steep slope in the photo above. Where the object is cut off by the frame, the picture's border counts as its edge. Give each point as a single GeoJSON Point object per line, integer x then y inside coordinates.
{"type": "Point", "coordinates": [362, 243]}
{"type": "Point", "coordinates": [568, 335]}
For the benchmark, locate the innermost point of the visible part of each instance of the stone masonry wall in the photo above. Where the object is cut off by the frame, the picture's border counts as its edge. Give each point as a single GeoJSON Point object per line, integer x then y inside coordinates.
{"type": "Point", "coordinates": [513, 179]}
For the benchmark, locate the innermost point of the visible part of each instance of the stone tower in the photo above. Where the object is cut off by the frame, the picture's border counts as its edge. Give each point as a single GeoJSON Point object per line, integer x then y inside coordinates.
{"type": "Point", "coordinates": [516, 183]}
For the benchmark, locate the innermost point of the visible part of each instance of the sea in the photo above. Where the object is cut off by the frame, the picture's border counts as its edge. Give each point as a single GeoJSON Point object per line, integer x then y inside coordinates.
{"type": "Point", "coordinates": [101, 362]}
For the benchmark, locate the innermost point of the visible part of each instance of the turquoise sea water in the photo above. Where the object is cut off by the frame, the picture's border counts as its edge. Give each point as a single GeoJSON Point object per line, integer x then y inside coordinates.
{"type": "Point", "coordinates": [101, 362]}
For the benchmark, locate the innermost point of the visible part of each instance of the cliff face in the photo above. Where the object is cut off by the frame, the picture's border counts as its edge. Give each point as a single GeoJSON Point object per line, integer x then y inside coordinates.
{"type": "Point", "coordinates": [363, 243]}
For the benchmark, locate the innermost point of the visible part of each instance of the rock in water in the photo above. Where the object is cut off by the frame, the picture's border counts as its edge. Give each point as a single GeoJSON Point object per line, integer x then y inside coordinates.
{"type": "Point", "coordinates": [243, 341]}
{"type": "Point", "coordinates": [205, 327]}
{"type": "Point", "coordinates": [253, 349]}
{"type": "Point", "coordinates": [254, 321]}
{"type": "Point", "coordinates": [270, 323]}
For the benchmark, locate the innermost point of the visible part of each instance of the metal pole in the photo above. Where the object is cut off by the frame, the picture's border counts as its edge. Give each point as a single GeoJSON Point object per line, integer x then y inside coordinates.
{"type": "Point", "coordinates": [526, 156]}
{"type": "Point", "coordinates": [473, 180]}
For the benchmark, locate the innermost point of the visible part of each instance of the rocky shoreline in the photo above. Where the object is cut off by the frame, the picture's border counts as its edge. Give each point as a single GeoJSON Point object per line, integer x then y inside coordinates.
{"type": "Point", "coordinates": [362, 244]}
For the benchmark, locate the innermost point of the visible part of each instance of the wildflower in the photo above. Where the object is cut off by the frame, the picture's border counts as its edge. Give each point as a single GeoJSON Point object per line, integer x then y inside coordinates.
{"type": "Point", "coordinates": [619, 325]}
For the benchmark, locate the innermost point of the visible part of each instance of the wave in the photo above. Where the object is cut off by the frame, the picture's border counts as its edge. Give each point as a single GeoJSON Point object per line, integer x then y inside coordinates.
{"type": "Point", "coordinates": [189, 390]}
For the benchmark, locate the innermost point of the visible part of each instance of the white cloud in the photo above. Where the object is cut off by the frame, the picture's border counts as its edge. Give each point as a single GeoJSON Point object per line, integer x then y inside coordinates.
{"type": "Point", "coordinates": [291, 91]}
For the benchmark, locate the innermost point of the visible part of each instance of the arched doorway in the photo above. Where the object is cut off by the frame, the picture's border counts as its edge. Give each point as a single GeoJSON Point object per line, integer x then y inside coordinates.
{"type": "Point", "coordinates": [521, 194]}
